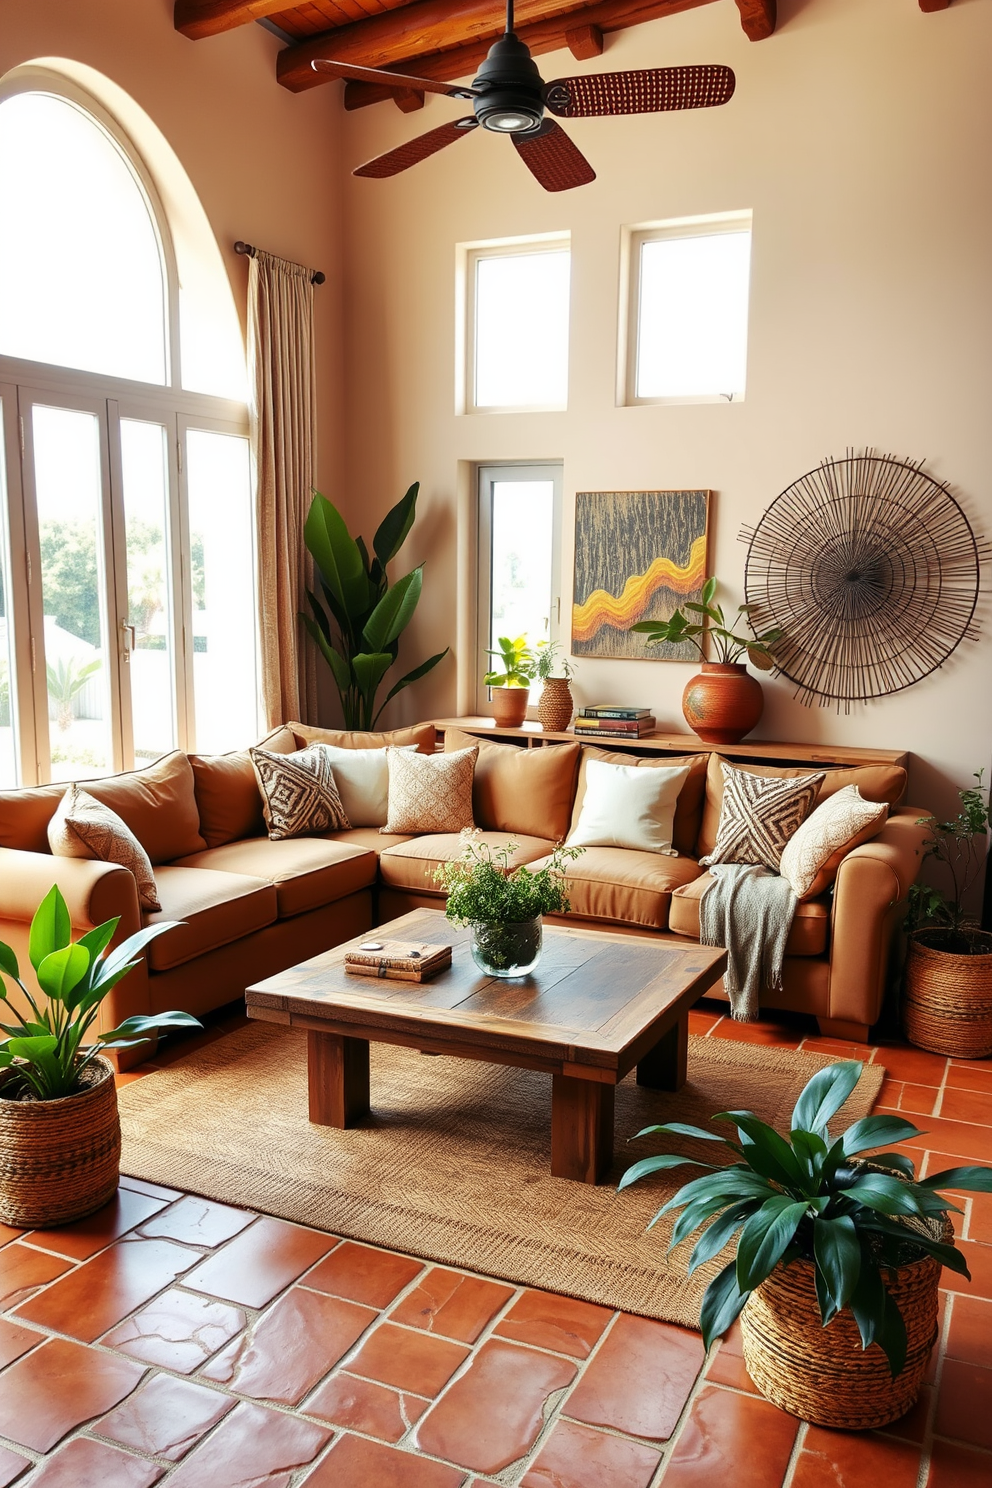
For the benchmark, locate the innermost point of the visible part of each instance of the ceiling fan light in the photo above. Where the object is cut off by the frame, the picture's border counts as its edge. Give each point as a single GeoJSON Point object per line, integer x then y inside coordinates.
{"type": "Point", "coordinates": [509, 121]}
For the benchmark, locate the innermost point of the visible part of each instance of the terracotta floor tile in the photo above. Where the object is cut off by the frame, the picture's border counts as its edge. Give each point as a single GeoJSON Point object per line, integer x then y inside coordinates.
{"type": "Point", "coordinates": [8, 1233]}
{"type": "Point", "coordinates": [23, 1271]}
{"type": "Point", "coordinates": [973, 1143]}
{"type": "Point", "coordinates": [85, 1237]}
{"type": "Point", "coordinates": [967, 1105]}
{"type": "Point", "coordinates": [979, 1261]}
{"type": "Point", "coordinates": [578, 1457]}
{"type": "Point", "coordinates": [411, 1361]}
{"type": "Point", "coordinates": [916, 1065]}
{"type": "Point", "coordinates": [494, 1413]}
{"type": "Point", "coordinates": [49, 1392]}
{"type": "Point", "coordinates": [361, 1273]}
{"type": "Point", "coordinates": [731, 1438]}
{"type": "Point", "coordinates": [640, 1379]}
{"type": "Point", "coordinates": [252, 1446]}
{"type": "Point", "coordinates": [82, 1463]}
{"type": "Point", "coordinates": [166, 1418]}
{"type": "Point", "coordinates": [452, 1304]}
{"type": "Point", "coordinates": [291, 1347]}
{"type": "Point", "coordinates": [155, 1190]}
{"type": "Point", "coordinates": [726, 1367]}
{"type": "Point", "coordinates": [354, 1463]}
{"type": "Point", "coordinates": [102, 1291]}
{"type": "Point", "coordinates": [260, 1262]}
{"type": "Point", "coordinates": [964, 1404]}
{"type": "Point", "coordinates": [974, 1075]}
{"type": "Point", "coordinates": [375, 1410]}
{"type": "Point", "coordinates": [855, 1459]}
{"type": "Point", "coordinates": [178, 1331]}
{"type": "Point", "coordinates": [917, 1100]}
{"type": "Point", "coordinates": [701, 1021]}
{"type": "Point", "coordinates": [12, 1465]}
{"type": "Point", "coordinates": [969, 1337]}
{"type": "Point", "coordinates": [759, 1033]}
{"type": "Point", "coordinates": [890, 1093]}
{"type": "Point", "coordinates": [836, 1048]}
{"type": "Point", "coordinates": [15, 1340]}
{"type": "Point", "coordinates": [559, 1323]}
{"type": "Point", "coordinates": [958, 1467]}
{"type": "Point", "coordinates": [198, 1222]}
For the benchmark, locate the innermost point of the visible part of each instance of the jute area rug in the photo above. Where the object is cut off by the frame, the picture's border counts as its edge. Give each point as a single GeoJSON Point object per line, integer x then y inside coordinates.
{"type": "Point", "coordinates": [454, 1164]}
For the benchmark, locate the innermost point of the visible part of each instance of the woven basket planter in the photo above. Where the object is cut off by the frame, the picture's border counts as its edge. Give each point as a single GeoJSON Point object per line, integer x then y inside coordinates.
{"type": "Point", "coordinates": [59, 1159]}
{"type": "Point", "coordinates": [947, 1004]}
{"type": "Point", "coordinates": [554, 707]}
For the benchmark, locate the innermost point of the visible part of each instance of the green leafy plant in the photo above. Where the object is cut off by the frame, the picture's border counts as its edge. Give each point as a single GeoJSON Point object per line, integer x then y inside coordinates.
{"type": "Point", "coordinates": [358, 624]}
{"type": "Point", "coordinates": [519, 664]}
{"type": "Point", "coordinates": [730, 646]}
{"type": "Point", "coordinates": [47, 1051]}
{"type": "Point", "coordinates": [804, 1197]}
{"type": "Point", "coordinates": [548, 664]}
{"type": "Point", "coordinates": [961, 845]}
{"type": "Point", "coordinates": [65, 680]}
{"type": "Point", "coordinates": [481, 885]}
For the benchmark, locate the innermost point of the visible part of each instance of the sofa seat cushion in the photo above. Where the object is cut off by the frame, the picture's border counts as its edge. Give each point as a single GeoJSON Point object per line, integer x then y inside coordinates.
{"type": "Point", "coordinates": [810, 928]}
{"type": "Point", "coordinates": [621, 886]}
{"type": "Point", "coordinates": [216, 908]}
{"type": "Point", "coordinates": [306, 872]}
{"type": "Point", "coordinates": [411, 864]}
{"type": "Point", "coordinates": [371, 837]}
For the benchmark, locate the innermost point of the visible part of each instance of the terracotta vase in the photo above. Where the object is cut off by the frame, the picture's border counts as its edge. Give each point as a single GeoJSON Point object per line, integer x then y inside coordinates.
{"type": "Point", "coordinates": [555, 707]}
{"type": "Point", "coordinates": [510, 706]}
{"type": "Point", "coordinates": [722, 703]}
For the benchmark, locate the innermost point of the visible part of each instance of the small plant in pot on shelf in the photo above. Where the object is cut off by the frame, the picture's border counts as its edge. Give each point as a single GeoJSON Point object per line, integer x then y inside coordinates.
{"type": "Point", "coordinates": [510, 681]}
{"type": "Point", "coordinates": [724, 702]}
{"type": "Point", "coordinates": [60, 1140]}
{"type": "Point", "coordinates": [502, 904]}
{"type": "Point", "coordinates": [836, 1258]}
{"type": "Point", "coordinates": [947, 1006]}
{"type": "Point", "coordinates": [554, 672]}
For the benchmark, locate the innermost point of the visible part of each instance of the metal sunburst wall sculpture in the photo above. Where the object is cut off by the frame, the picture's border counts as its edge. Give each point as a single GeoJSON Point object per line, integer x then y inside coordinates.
{"type": "Point", "coordinates": [871, 569]}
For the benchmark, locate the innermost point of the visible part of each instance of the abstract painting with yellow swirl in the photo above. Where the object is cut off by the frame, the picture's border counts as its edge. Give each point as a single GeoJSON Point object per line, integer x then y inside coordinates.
{"type": "Point", "coordinates": [638, 556]}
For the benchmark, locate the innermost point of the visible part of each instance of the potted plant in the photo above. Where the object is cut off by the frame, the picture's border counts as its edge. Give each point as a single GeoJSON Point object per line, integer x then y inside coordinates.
{"type": "Point", "coordinates": [510, 683]}
{"type": "Point", "coordinates": [503, 905]}
{"type": "Point", "coordinates": [947, 1004]}
{"type": "Point", "coordinates": [724, 702]}
{"type": "Point", "coordinates": [836, 1259]}
{"type": "Point", "coordinates": [60, 1139]}
{"type": "Point", "coordinates": [554, 707]}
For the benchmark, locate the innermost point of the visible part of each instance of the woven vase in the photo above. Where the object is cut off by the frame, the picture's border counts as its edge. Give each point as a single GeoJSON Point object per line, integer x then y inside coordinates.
{"type": "Point", "coordinates": [947, 1005]}
{"type": "Point", "coordinates": [823, 1375]}
{"type": "Point", "coordinates": [555, 706]}
{"type": "Point", "coordinates": [59, 1159]}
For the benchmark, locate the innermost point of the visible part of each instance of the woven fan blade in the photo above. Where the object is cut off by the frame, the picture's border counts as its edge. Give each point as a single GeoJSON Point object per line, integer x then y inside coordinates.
{"type": "Point", "coordinates": [415, 150]}
{"type": "Point", "coordinates": [389, 79]}
{"type": "Point", "coordinates": [553, 159]}
{"type": "Point", "coordinates": [654, 90]}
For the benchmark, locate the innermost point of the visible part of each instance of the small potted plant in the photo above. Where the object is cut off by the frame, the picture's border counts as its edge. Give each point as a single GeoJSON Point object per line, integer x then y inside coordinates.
{"type": "Point", "coordinates": [947, 1003]}
{"type": "Point", "coordinates": [724, 702]}
{"type": "Point", "coordinates": [503, 905]}
{"type": "Point", "coordinates": [510, 682]}
{"type": "Point", "coordinates": [836, 1259]}
{"type": "Point", "coordinates": [554, 708]}
{"type": "Point", "coordinates": [60, 1138]}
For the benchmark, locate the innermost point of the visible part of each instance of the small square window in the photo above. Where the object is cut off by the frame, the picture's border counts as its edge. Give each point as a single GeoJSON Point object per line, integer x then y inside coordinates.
{"type": "Point", "coordinates": [517, 322]}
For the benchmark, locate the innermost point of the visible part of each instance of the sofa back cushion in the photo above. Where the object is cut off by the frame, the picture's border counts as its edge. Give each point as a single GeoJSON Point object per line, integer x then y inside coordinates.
{"type": "Point", "coordinates": [158, 804]}
{"type": "Point", "coordinates": [25, 814]}
{"type": "Point", "coordinates": [688, 808]}
{"type": "Point", "coordinates": [227, 794]}
{"type": "Point", "coordinates": [526, 791]}
{"type": "Point", "coordinates": [424, 735]}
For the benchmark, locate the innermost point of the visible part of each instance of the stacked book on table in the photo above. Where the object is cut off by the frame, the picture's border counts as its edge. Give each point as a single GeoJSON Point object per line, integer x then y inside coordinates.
{"type": "Point", "coordinates": [397, 960]}
{"type": "Point", "coordinates": [606, 721]}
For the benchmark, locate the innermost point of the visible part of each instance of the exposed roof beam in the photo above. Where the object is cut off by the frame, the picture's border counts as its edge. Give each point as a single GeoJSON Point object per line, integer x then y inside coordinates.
{"type": "Point", "coordinates": [199, 18]}
{"type": "Point", "coordinates": [758, 18]}
{"type": "Point", "coordinates": [584, 42]}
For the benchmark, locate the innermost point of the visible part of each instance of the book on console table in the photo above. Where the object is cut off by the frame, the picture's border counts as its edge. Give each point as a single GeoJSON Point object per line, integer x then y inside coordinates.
{"type": "Point", "coordinates": [614, 710]}
{"type": "Point", "coordinates": [397, 960]}
{"type": "Point", "coordinates": [615, 725]}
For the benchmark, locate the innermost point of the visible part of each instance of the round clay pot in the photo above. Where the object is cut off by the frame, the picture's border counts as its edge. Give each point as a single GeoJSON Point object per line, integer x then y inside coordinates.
{"type": "Point", "coordinates": [510, 706]}
{"type": "Point", "coordinates": [947, 1001]}
{"type": "Point", "coordinates": [722, 703]}
{"type": "Point", "coordinates": [555, 706]}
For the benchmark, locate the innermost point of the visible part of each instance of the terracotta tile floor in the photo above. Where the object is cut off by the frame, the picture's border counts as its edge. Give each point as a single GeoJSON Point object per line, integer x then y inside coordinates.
{"type": "Point", "coordinates": [173, 1340]}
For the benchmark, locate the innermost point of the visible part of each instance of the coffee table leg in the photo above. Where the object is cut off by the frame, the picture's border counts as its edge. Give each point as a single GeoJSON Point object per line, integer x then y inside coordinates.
{"type": "Point", "coordinates": [581, 1129]}
{"type": "Point", "coordinates": [664, 1067]}
{"type": "Point", "coordinates": [338, 1078]}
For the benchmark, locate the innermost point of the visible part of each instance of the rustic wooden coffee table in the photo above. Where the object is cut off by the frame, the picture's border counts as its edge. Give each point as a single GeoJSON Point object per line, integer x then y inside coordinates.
{"type": "Point", "coordinates": [597, 1005]}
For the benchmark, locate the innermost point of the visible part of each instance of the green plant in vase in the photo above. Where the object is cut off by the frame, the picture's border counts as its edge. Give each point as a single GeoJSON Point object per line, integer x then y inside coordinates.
{"type": "Point", "coordinates": [510, 681]}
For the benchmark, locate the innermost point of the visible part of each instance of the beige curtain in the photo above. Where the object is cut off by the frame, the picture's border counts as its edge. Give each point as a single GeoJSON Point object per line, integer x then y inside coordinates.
{"type": "Point", "coordinates": [283, 431]}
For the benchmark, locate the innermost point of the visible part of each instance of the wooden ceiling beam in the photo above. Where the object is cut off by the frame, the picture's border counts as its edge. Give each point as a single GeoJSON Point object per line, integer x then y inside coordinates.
{"type": "Point", "coordinates": [199, 18]}
{"type": "Point", "coordinates": [758, 18]}
{"type": "Point", "coordinates": [584, 42]}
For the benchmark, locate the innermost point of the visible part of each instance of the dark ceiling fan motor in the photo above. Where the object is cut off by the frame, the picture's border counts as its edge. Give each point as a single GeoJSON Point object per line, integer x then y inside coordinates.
{"type": "Point", "coordinates": [509, 89]}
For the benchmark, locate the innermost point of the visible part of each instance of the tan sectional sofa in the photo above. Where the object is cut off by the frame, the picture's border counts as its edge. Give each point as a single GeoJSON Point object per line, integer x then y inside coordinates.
{"type": "Point", "coordinates": [251, 907]}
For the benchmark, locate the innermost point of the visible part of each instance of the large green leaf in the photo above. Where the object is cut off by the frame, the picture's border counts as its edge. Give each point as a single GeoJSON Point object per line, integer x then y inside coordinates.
{"type": "Point", "coordinates": [692, 1216]}
{"type": "Point", "coordinates": [138, 1027]}
{"type": "Point", "coordinates": [659, 1164]}
{"type": "Point", "coordinates": [765, 1237]}
{"type": "Point", "coordinates": [369, 669]}
{"type": "Point", "coordinates": [876, 1131]}
{"type": "Point", "coordinates": [63, 970]}
{"type": "Point", "coordinates": [837, 1252]}
{"type": "Point", "coordinates": [680, 1129]}
{"type": "Point", "coordinates": [972, 1179]}
{"type": "Point", "coordinates": [414, 676]}
{"type": "Point", "coordinates": [947, 1255]}
{"type": "Point", "coordinates": [890, 1195]}
{"type": "Point", "coordinates": [338, 665]}
{"type": "Point", "coordinates": [50, 928]}
{"type": "Point", "coordinates": [722, 1303]}
{"type": "Point", "coordinates": [395, 526]}
{"type": "Point", "coordinates": [394, 611]}
{"type": "Point", "coordinates": [8, 964]}
{"type": "Point", "coordinates": [336, 554]}
{"type": "Point", "coordinates": [766, 1151]}
{"type": "Point", "coordinates": [716, 1235]}
{"type": "Point", "coordinates": [824, 1095]}
{"type": "Point", "coordinates": [731, 1183]}
{"type": "Point", "coordinates": [709, 590]}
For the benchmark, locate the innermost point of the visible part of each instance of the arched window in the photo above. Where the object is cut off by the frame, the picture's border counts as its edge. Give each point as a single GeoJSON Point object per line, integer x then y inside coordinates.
{"type": "Point", "coordinates": [129, 629]}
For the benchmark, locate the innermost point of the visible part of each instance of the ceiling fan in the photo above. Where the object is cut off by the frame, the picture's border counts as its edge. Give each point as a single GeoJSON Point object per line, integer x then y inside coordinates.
{"type": "Point", "coordinates": [509, 96]}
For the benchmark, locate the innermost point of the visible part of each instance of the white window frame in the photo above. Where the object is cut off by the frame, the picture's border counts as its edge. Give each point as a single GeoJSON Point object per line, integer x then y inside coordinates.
{"type": "Point", "coordinates": [631, 242]}
{"type": "Point", "coordinates": [486, 476]}
{"type": "Point", "coordinates": [468, 256]}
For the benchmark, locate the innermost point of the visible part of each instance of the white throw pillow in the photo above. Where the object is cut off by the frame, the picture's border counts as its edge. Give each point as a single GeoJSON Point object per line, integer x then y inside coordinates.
{"type": "Point", "coordinates": [626, 806]}
{"type": "Point", "coordinates": [362, 777]}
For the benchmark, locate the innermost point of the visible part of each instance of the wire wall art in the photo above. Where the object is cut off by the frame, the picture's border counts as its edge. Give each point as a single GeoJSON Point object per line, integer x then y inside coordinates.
{"type": "Point", "coordinates": [872, 570]}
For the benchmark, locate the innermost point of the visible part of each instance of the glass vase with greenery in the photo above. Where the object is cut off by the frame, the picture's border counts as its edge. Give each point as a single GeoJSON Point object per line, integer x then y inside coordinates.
{"type": "Point", "coordinates": [729, 646]}
{"type": "Point", "coordinates": [943, 918]}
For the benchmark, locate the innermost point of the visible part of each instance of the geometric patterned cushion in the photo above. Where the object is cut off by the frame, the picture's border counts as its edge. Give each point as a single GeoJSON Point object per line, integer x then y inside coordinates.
{"type": "Point", "coordinates": [813, 855]}
{"type": "Point", "coordinates": [83, 827]}
{"type": "Point", "coordinates": [430, 792]}
{"type": "Point", "coordinates": [759, 814]}
{"type": "Point", "coordinates": [299, 796]}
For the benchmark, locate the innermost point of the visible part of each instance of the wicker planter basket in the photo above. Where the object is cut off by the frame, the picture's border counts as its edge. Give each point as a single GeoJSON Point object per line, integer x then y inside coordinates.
{"type": "Point", "coordinates": [947, 1004]}
{"type": "Point", "coordinates": [59, 1159]}
{"type": "Point", "coordinates": [554, 708]}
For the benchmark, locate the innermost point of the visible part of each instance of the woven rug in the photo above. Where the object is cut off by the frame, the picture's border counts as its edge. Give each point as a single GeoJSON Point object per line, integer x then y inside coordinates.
{"type": "Point", "coordinates": [454, 1164]}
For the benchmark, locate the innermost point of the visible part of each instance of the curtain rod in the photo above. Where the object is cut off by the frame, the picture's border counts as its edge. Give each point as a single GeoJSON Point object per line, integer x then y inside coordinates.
{"type": "Point", "coordinates": [248, 249]}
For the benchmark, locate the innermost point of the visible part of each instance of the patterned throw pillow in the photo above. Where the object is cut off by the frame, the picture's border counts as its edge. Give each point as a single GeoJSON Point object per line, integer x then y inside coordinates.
{"type": "Point", "coordinates": [812, 856]}
{"type": "Point", "coordinates": [759, 814]}
{"type": "Point", "coordinates": [299, 796]}
{"type": "Point", "coordinates": [83, 827]}
{"type": "Point", "coordinates": [430, 792]}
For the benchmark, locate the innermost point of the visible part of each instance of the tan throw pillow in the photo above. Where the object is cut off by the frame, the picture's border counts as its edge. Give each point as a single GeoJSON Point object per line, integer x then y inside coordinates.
{"type": "Point", "coordinates": [759, 814]}
{"type": "Point", "coordinates": [299, 795]}
{"type": "Point", "coordinates": [83, 827]}
{"type": "Point", "coordinates": [811, 857]}
{"type": "Point", "coordinates": [430, 792]}
{"type": "Point", "coordinates": [525, 791]}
